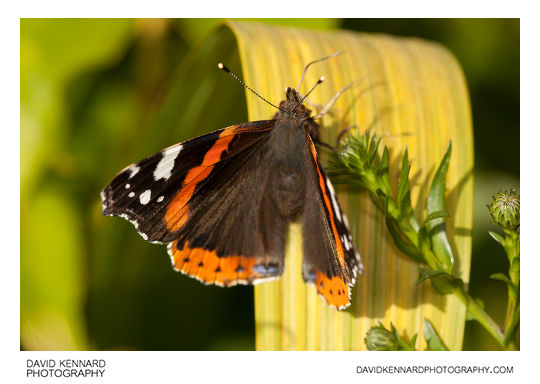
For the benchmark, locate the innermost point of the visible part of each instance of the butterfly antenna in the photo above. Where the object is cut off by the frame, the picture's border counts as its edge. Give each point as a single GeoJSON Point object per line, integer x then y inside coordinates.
{"type": "Point", "coordinates": [225, 69]}
{"type": "Point", "coordinates": [313, 62]}
{"type": "Point", "coordinates": [321, 79]}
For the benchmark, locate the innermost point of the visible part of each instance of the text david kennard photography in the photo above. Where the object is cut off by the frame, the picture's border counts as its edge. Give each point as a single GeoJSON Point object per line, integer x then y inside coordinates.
{"type": "Point", "coordinates": [65, 368]}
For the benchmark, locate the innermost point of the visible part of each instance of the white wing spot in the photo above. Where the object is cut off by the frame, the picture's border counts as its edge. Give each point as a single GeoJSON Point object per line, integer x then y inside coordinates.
{"type": "Point", "coordinates": [128, 186]}
{"type": "Point", "coordinates": [166, 164]}
{"type": "Point", "coordinates": [346, 242]}
{"type": "Point", "coordinates": [131, 194]}
{"type": "Point", "coordinates": [160, 199]}
{"type": "Point", "coordinates": [144, 198]}
{"type": "Point", "coordinates": [334, 201]}
{"type": "Point", "coordinates": [133, 171]}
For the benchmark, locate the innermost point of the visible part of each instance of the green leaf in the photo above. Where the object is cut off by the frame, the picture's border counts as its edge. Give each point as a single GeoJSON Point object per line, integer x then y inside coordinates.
{"type": "Point", "coordinates": [447, 283]}
{"type": "Point", "coordinates": [383, 177]}
{"type": "Point", "coordinates": [435, 215]}
{"type": "Point", "coordinates": [423, 238]}
{"type": "Point", "coordinates": [413, 341]}
{"type": "Point", "coordinates": [433, 340]}
{"type": "Point", "coordinates": [403, 196]}
{"type": "Point", "coordinates": [425, 274]}
{"type": "Point", "coordinates": [402, 344]}
{"type": "Point", "coordinates": [501, 277]}
{"type": "Point", "coordinates": [436, 203]}
{"type": "Point", "coordinates": [404, 246]}
{"type": "Point", "coordinates": [498, 238]}
{"type": "Point", "coordinates": [443, 282]}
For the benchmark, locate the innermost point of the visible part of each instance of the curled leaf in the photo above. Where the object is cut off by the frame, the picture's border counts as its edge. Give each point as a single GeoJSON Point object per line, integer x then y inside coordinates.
{"type": "Point", "coordinates": [436, 203]}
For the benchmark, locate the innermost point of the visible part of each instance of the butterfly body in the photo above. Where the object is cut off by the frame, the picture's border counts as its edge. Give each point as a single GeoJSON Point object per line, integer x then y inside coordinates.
{"type": "Point", "coordinates": [223, 203]}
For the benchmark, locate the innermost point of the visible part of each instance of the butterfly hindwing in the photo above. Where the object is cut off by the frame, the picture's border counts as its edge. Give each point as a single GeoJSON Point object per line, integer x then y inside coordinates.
{"type": "Point", "coordinates": [330, 259]}
{"type": "Point", "coordinates": [154, 193]}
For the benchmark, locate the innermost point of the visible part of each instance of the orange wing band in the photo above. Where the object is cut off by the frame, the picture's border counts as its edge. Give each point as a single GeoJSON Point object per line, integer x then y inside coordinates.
{"type": "Point", "coordinates": [339, 246]}
{"type": "Point", "coordinates": [209, 268]}
{"type": "Point", "coordinates": [178, 209]}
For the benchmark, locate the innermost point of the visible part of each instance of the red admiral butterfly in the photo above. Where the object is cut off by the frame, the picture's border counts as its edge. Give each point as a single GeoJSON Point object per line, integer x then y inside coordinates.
{"type": "Point", "coordinates": [223, 202]}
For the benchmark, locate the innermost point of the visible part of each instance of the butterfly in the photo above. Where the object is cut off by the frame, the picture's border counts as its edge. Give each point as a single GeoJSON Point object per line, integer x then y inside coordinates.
{"type": "Point", "coordinates": [223, 202]}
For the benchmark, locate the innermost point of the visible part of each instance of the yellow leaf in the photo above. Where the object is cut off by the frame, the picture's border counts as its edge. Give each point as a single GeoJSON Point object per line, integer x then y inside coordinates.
{"type": "Point", "coordinates": [413, 94]}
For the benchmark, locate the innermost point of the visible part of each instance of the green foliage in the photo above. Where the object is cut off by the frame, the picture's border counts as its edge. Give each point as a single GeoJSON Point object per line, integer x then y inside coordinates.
{"type": "Point", "coordinates": [53, 53]}
{"type": "Point", "coordinates": [91, 103]}
{"type": "Point", "coordinates": [433, 340]}
{"type": "Point", "coordinates": [52, 297]}
{"type": "Point", "coordinates": [357, 164]}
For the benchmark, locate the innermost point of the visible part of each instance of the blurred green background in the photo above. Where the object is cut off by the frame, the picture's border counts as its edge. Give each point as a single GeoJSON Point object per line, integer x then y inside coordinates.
{"type": "Point", "coordinates": [97, 95]}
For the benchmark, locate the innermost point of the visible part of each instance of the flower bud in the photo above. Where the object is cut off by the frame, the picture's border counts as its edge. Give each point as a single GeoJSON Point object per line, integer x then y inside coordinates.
{"type": "Point", "coordinates": [379, 338]}
{"type": "Point", "coordinates": [504, 209]}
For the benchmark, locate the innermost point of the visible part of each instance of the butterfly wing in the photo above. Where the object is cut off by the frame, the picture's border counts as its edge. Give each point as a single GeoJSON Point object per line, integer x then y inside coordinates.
{"type": "Point", "coordinates": [331, 261]}
{"type": "Point", "coordinates": [233, 234]}
{"type": "Point", "coordinates": [212, 212]}
{"type": "Point", "coordinates": [154, 194]}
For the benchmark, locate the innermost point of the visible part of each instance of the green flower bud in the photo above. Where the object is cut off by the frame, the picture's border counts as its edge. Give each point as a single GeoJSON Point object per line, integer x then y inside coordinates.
{"type": "Point", "coordinates": [379, 338]}
{"type": "Point", "coordinates": [504, 209]}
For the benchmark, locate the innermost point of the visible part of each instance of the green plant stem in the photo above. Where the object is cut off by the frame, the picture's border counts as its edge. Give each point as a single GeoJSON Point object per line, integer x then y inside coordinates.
{"type": "Point", "coordinates": [480, 315]}
{"type": "Point", "coordinates": [512, 313]}
{"type": "Point", "coordinates": [511, 247]}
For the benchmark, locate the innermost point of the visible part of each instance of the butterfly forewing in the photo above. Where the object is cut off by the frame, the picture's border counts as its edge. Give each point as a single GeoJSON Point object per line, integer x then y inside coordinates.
{"type": "Point", "coordinates": [144, 193]}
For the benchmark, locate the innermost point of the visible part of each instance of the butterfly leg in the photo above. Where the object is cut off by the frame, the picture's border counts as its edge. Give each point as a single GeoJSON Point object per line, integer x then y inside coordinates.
{"type": "Point", "coordinates": [332, 101]}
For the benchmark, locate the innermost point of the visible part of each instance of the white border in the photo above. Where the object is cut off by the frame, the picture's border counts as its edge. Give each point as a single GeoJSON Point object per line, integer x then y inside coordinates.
{"type": "Point", "coordinates": [265, 367]}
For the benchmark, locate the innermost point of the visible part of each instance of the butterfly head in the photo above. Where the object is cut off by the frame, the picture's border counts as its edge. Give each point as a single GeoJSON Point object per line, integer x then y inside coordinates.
{"type": "Point", "coordinates": [292, 106]}
{"type": "Point", "coordinates": [294, 111]}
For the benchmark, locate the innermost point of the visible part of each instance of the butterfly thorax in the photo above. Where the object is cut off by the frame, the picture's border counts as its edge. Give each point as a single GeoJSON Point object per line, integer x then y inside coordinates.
{"type": "Point", "coordinates": [290, 156]}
